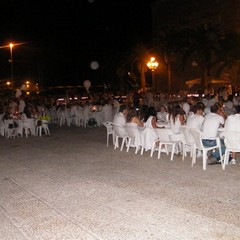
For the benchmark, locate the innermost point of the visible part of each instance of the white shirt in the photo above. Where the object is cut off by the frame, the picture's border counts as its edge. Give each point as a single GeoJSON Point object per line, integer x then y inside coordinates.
{"type": "Point", "coordinates": [119, 119]}
{"type": "Point", "coordinates": [195, 121]}
{"type": "Point", "coordinates": [21, 105]}
{"type": "Point", "coordinates": [233, 123]}
{"type": "Point", "coordinates": [211, 124]}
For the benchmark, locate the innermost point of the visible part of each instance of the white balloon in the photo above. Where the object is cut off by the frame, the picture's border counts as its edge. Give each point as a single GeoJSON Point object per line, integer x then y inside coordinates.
{"type": "Point", "coordinates": [91, 1]}
{"type": "Point", "coordinates": [94, 65]}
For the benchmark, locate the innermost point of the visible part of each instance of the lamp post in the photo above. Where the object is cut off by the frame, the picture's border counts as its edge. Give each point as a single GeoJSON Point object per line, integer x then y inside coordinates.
{"type": "Point", "coordinates": [11, 59]}
{"type": "Point", "coordinates": [152, 65]}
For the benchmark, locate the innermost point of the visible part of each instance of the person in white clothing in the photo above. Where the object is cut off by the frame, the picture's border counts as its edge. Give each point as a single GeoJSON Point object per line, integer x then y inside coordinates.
{"type": "Point", "coordinates": [120, 118]}
{"type": "Point", "coordinates": [162, 114]}
{"type": "Point", "coordinates": [107, 111]}
{"type": "Point", "coordinates": [212, 121]}
{"type": "Point", "coordinates": [196, 120]}
{"type": "Point", "coordinates": [21, 104]}
{"type": "Point", "coordinates": [233, 124]}
{"type": "Point", "coordinates": [176, 119]}
{"type": "Point", "coordinates": [150, 123]}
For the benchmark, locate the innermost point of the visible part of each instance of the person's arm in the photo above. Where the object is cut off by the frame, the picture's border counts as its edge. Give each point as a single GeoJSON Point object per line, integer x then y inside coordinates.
{"type": "Point", "coordinates": [181, 119]}
{"type": "Point", "coordinates": [222, 113]}
{"type": "Point", "coordinates": [154, 122]}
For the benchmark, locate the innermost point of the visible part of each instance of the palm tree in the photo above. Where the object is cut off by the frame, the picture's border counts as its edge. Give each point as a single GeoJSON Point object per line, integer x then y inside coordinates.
{"type": "Point", "coordinates": [204, 45]}
{"type": "Point", "coordinates": [167, 45]}
{"type": "Point", "coordinates": [135, 60]}
{"type": "Point", "coordinates": [230, 53]}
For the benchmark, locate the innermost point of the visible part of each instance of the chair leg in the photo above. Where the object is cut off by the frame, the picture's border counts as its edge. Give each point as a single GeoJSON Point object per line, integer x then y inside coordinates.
{"type": "Point", "coordinates": [116, 143]}
{"type": "Point", "coordinates": [183, 151]}
{"type": "Point", "coordinates": [194, 150]}
{"type": "Point", "coordinates": [152, 149]}
{"type": "Point", "coordinates": [128, 145]}
{"type": "Point", "coordinates": [137, 148]}
{"type": "Point", "coordinates": [226, 157]}
{"type": "Point", "coordinates": [204, 160]}
{"type": "Point", "coordinates": [107, 139]}
{"type": "Point", "coordinates": [173, 149]}
{"type": "Point", "coordinates": [123, 142]}
{"type": "Point", "coordinates": [159, 150]}
{"type": "Point", "coordinates": [113, 137]}
{"type": "Point", "coordinates": [142, 149]}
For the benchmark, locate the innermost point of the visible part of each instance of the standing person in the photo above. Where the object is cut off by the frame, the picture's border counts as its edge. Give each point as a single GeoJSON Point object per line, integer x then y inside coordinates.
{"type": "Point", "coordinates": [107, 111]}
{"type": "Point", "coordinates": [233, 124]}
{"type": "Point", "coordinates": [21, 104]}
{"type": "Point", "coordinates": [212, 121]}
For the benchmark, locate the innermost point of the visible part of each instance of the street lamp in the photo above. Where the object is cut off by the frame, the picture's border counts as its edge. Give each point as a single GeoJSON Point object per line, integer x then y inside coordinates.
{"type": "Point", "coordinates": [11, 59]}
{"type": "Point", "coordinates": [152, 65]}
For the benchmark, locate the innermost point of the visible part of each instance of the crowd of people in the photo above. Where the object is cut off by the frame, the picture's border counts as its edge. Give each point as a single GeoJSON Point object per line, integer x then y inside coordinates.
{"type": "Point", "coordinates": [206, 114]}
{"type": "Point", "coordinates": [203, 112]}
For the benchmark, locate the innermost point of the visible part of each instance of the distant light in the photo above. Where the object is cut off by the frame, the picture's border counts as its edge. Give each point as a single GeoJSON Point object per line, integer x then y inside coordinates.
{"type": "Point", "coordinates": [94, 65]}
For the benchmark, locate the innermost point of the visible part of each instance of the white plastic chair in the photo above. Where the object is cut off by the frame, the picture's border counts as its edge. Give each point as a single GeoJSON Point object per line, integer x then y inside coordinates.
{"type": "Point", "coordinates": [165, 139]}
{"type": "Point", "coordinates": [198, 145]}
{"type": "Point", "coordinates": [109, 127]}
{"type": "Point", "coordinates": [28, 125]}
{"type": "Point", "coordinates": [187, 141]}
{"type": "Point", "coordinates": [134, 137]}
{"type": "Point", "coordinates": [9, 129]}
{"type": "Point", "coordinates": [232, 143]}
{"type": "Point", "coordinates": [120, 132]}
{"type": "Point", "coordinates": [43, 127]}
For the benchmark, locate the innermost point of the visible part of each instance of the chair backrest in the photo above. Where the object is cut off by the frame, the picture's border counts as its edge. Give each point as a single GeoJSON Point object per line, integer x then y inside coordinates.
{"type": "Point", "coordinates": [120, 131]}
{"type": "Point", "coordinates": [197, 137]}
{"type": "Point", "coordinates": [109, 127]}
{"type": "Point", "coordinates": [163, 134]}
{"type": "Point", "coordinates": [231, 140]}
{"type": "Point", "coordinates": [187, 137]}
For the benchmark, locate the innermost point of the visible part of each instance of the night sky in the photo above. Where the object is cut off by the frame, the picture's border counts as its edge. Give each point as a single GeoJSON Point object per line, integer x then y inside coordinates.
{"type": "Point", "coordinates": [62, 38]}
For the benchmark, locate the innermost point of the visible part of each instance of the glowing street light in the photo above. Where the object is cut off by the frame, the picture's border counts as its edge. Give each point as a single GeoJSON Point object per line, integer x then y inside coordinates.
{"type": "Point", "coordinates": [152, 65]}
{"type": "Point", "coordinates": [11, 59]}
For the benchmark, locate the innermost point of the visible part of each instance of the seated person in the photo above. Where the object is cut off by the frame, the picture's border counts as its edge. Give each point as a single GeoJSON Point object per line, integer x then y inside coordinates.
{"type": "Point", "coordinates": [133, 119]}
{"type": "Point", "coordinates": [212, 121]}
{"type": "Point", "coordinates": [162, 115]}
{"type": "Point", "coordinates": [196, 120]}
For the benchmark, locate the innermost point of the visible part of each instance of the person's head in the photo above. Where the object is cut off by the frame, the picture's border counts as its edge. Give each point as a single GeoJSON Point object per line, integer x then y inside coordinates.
{"type": "Point", "coordinates": [215, 107]}
{"type": "Point", "coordinates": [150, 112]}
{"type": "Point", "coordinates": [176, 111]}
{"type": "Point", "coordinates": [131, 114]}
{"type": "Point", "coordinates": [198, 109]}
{"type": "Point", "coordinates": [123, 109]}
{"type": "Point", "coordinates": [163, 108]}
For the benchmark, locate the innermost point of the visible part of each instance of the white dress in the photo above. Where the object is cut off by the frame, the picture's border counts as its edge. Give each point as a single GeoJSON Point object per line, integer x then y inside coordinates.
{"type": "Point", "coordinates": [137, 140]}
{"type": "Point", "coordinates": [148, 134]}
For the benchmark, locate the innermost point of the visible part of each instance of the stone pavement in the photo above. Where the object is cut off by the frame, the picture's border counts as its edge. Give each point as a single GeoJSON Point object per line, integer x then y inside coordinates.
{"type": "Point", "coordinates": [70, 186]}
